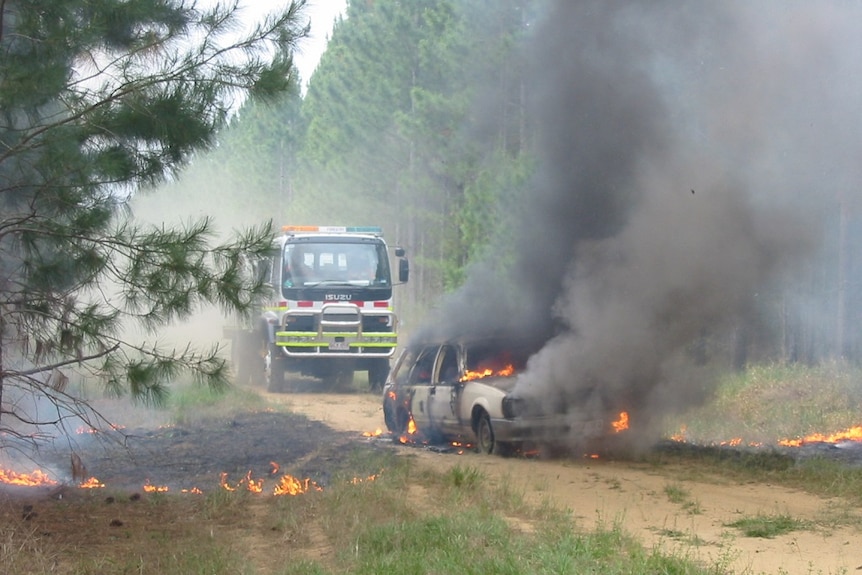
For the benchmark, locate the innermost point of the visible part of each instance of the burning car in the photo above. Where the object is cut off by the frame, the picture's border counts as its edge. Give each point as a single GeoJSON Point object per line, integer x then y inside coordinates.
{"type": "Point", "coordinates": [463, 391]}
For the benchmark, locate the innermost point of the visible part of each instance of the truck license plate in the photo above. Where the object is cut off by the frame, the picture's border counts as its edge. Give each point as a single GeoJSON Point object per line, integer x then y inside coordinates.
{"type": "Point", "coordinates": [339, 346]}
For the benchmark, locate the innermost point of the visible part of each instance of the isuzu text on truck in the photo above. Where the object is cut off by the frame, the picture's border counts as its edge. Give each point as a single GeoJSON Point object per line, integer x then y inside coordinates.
{"type": "Point", "coordinates": [331, 311]}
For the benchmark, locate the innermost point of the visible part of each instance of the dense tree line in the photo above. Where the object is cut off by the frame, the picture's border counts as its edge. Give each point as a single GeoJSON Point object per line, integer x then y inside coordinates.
{"type": "Point", "coordinates": [417, 119]}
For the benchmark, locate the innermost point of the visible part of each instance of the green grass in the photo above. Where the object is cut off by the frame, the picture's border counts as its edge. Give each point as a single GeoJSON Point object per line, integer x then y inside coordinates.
{"type": "Point", "coordinates": [191, 402]}
{"type": "Point", "coordinates": [775, 401]}
{"type": "Point", "coordinates": [679, 495]}
{"type": "Point", "coordinates": [380, 513]}
{"type": "Point", "coordinates": [676, 493]}
{"type": "Point", "coordinates": [460, 521]}
{"type": "Point", "coordinates": [760, 406]}
{"type": "Point", "coordinates": [767, 526]}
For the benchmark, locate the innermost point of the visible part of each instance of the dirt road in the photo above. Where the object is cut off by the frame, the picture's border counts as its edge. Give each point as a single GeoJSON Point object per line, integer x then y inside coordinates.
{"type": "Point", "coordinates": [636, 497]}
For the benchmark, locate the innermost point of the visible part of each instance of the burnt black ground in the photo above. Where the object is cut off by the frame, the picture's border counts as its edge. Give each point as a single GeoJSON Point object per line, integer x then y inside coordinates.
{"type": "Point", "coordinates": [196, 455]}
{"type": "Point", "coordinates": [183, 457]}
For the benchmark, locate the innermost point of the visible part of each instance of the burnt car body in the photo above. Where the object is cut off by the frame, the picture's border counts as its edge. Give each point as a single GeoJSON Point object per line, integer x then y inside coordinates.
{"type": "Point", "coordinates": [464, 391]}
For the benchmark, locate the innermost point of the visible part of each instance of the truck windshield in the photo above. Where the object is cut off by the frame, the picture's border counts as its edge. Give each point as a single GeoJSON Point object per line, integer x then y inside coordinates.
{"type": "Point", "coordinates": [331, 263]}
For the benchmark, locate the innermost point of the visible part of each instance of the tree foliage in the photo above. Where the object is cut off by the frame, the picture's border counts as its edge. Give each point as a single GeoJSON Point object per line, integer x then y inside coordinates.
{"type": "Point", "coordinates": [418, 119]}
{"type": "Point", "coordinates": [97, 100]}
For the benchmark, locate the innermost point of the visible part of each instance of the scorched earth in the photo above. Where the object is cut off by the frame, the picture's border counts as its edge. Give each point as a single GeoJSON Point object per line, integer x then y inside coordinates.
{"type": "Point", "coordinates": [307, 434]}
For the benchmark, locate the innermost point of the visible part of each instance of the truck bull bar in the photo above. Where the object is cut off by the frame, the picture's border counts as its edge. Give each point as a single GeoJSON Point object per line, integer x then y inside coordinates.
{"type": "Point", "coordinates": [339, 334]}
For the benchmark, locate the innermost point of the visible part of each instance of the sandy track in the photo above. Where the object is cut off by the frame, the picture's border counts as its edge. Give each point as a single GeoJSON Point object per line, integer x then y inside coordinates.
{"type": "Point", "coordinates": [634, 496]}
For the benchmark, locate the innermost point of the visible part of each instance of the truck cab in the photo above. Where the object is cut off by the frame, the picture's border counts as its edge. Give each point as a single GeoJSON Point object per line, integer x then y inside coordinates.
{"type": "Point", "coordinates": [332, 311]}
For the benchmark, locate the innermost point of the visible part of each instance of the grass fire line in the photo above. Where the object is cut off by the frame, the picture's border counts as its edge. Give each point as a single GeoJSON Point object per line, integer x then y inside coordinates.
{"type": "Point", "coordinates": [285, 485]}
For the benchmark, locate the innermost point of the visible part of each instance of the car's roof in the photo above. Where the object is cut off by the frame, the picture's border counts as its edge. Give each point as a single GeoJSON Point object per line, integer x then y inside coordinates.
{"type": "Point", "coordinates": [502, 341]}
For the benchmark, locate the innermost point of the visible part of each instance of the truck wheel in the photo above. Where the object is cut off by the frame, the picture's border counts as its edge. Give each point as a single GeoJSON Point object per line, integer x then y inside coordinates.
{"type": "Point", "coordinates": [377, 374]}
{"type": "Point", "coordinates": [277, 369]}
{"type": "Point", "coordinates": [343, 379]}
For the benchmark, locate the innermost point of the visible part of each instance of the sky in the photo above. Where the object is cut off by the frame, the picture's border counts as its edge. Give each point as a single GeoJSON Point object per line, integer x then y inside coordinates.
{"type": "Point", "coordinates": [321, 14]}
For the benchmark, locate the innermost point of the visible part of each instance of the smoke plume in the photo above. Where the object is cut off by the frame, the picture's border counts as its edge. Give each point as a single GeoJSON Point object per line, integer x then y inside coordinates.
{"type": "Point", "coordinates": [688, 155]}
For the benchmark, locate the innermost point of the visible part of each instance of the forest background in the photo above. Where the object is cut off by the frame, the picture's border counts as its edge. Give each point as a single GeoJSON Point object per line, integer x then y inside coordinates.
{"type": "Point", "coordinates": [421, 118]}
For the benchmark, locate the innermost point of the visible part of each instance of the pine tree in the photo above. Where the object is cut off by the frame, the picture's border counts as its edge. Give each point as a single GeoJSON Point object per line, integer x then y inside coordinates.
{"type": "Point", "coordinates": [99, 99]}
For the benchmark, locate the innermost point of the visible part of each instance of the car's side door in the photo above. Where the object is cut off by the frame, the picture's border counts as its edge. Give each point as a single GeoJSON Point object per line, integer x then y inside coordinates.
{"type": "Point", "coordinates": [445, 392]}
{"type": "Point", "coordinates": [419, 381]}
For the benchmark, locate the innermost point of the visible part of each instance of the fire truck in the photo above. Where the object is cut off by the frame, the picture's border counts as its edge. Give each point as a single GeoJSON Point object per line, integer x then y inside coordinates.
{"type": "Point", "coordinates": [331, 310]}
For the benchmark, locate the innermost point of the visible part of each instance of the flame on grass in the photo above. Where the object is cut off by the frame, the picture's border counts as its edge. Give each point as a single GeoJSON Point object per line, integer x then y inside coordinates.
{"type": "Point", "coordinates": [682, 437]}
{"type": "Point", "coordinates": [290, 485]}
{"type": "Point", "coordinates": [34, 479]}
{"type": "Point", "coordinates": [358, 480]}
{"type": "Point", "coordinates": [286, 485]}
{"type": "Point", "coordinates": [91, 483]}
{"type": "Point", "coordinates": [850, 434]}
{"type": "Point", "coordinates": [149, 488]}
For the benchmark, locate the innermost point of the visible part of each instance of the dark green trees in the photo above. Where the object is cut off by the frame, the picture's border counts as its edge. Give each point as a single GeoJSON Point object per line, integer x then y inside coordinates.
{"type": "Point", "coordinates": [99, 98]}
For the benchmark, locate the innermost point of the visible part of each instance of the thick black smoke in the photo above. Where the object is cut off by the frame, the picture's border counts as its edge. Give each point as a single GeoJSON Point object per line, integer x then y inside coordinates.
{"type": "Point", "coordinates": [688, 154]}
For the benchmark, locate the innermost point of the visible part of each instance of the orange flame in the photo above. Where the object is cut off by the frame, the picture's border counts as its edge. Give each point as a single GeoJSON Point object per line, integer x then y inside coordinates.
{"type": "Point", "coordinates": [154, 488]}
{"type": "Point", "coordinates": [622, 423]}
{"type": "Point", "coordinates": [287, 484]}
{"type": "Point", "coordinates": [253, 485]}
{"type": "Point", "coordinates": [91, 483]}
{"type": "Point", "coordinates": [411, 430]}
{"type": "Point", "coordinates": [290, 485]}
{"type": "Point", "coordinates": [850, 434]}
{"type": "Point", "coordinates": [28, 479]}
{"type": "Point", "coordinates": [680, 436]}
{"type": "Point", "coordinates": [194, 490]}
{"type": "Point", "coordinates": [488, 372]}
{"type": "Point", "coordinates": [376, 433]}
{"type": "Point", "coordinates": [223, 482]}
{"type": "Point", "coordinates": [358, 480]}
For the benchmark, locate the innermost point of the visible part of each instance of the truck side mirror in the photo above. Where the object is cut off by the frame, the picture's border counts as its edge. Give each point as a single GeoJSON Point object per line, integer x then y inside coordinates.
{"type": "Point", "coordinates": [403, 270]}
{"type": "Point", "coordinates": [399, 252]}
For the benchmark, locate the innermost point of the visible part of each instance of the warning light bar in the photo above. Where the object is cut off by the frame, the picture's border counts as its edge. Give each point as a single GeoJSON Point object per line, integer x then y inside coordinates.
{"type": "Point", "coordinates": [377, 230]}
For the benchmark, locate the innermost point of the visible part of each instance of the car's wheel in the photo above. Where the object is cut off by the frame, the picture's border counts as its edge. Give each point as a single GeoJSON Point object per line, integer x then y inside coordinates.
{"type": "Point", "coordinates": [277, 369]}
{"type": "Point", "coordinates": [396, 417]}
{"type": "Point", "coordinates": [389, 414]}
{"type": "Point", "coordinates": [377, 374]}
{"type": "Point", "coordinates": [485, 441]}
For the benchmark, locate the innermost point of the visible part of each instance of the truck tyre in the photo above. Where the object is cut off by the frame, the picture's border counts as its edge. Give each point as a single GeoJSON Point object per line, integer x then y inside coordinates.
{"type": "Point", "coordinates": [377, 374]}
{"type": "Point", "coordinates": [277, 369]}
{"type": "Point", "coordinates": [343, 379]}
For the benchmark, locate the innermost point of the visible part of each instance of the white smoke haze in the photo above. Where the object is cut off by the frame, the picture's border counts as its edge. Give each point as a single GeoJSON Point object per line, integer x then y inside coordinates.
{"type": "Point", "coordinates": [689, 155]}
